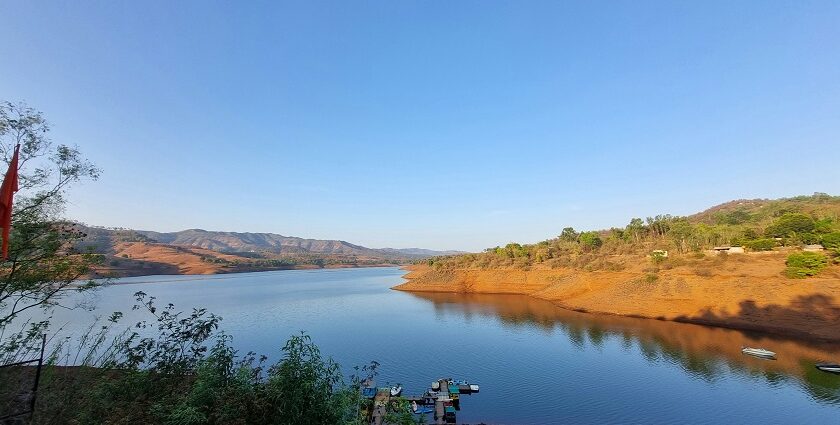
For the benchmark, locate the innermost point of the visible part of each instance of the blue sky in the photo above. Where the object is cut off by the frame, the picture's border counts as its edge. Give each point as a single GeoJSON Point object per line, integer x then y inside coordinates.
{"type": "Point", "coordinates": [448, 125]}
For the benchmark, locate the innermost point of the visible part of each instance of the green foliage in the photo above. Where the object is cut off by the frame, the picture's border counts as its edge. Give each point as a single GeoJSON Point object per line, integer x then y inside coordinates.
{"type": "Point", "coordinates": [804, 264]}
{"type": "Point", "coordinates": [590, 240]}
{"type": "Point", "coordinates": [43, 265]}
{"type": "Point", "coordinates": [831, 240]}
{"type": "Point", "coordinates": [790, 224]}
{"type": "Point", "coordinates": [186, 372]}
{"type": "Point", "coordinates": [512, 250]}
{"type": "Point", "coordinates": [658, 257]}
{"type": "Point", "coordinates": [569, 234]}
{"type": "Point", "coordinates": [753, 224]}
{"type": "Point", "coordinates": [635, 230]}
{"type": "Point", "coordinates": [732, 218]}
{"type": "Point", "coordinates": [651, 277]}
{"type": "Point", "coordinates": [766, 244]}
{"type": "Point", "coordinates": [824, 225]}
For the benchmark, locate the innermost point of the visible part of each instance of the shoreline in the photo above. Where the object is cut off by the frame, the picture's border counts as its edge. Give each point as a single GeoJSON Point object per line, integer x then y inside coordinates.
{"type": "Point", "coordinates": [803, 309]}
{"type": "Point", "coordinates": [219, 275]}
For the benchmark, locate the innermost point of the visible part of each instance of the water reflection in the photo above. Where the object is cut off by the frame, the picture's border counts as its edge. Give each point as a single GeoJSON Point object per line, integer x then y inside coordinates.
{"type": "Point", "coordinates": [704, 353]}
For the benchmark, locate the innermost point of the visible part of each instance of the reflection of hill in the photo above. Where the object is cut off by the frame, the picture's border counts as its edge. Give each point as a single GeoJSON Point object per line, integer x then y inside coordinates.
{"type": "Point", "coordinates": [704, 352]}
{"type": "Point", "coordinates": [744, 292]}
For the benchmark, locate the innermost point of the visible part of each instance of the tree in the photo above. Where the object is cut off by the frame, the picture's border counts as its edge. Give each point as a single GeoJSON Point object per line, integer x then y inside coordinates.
{"type": "Point", "coordinates": [636, 229]}
{"type": "Point", "coordinates": [660, 224]}
{"type": "Point", "coordinates": [590, 240]}
{"type": "Point", "coordinates": [791, 224]}
{"type": "Point", "coordinates": [681, 231]}
{"type": "Point", "coordinates": [42, 258]}
{"type": "Point", "coordinates": [569, 234]}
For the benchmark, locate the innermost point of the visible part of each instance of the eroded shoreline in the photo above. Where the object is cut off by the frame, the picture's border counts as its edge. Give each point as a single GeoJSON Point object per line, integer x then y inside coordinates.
{"type": "Point", "coordinates": [753, 297]}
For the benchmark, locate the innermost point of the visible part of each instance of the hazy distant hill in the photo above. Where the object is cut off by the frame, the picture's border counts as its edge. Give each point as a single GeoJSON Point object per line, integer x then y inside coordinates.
{"type": "Point", "coordinates": [138, 252]}
{"type": "Point", "coordinates": [278, 244]}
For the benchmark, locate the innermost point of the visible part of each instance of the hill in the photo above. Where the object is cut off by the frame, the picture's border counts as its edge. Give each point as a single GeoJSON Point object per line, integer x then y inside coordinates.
{"type": "Point", "coordinates": [667, 267]}
{"type": "Point", "coordinates": [130, 252]}
{"type": "Point", "coordinates": [756, 225]}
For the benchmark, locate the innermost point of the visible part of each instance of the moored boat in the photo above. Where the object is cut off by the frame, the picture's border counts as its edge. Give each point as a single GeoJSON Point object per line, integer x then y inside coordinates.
{"type": "Point", "coordinates": [396, 390]}
{"type": "Point", "coordinates": [420, 409]}
{"type": "Point", "coordinates": [828, 367]}
{"type": "Point", "coordinates": [759, 352]}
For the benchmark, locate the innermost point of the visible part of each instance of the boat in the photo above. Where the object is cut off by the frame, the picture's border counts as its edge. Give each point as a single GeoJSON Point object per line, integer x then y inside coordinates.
{"type": "Point", "coordinates": [396, 390]}
{"type": "Point", "coordinates": [474, 388]}
{"type": "Point", "coordinates": [828, 367]}
{"type": "Point", "coordinates": [420, 410]}
{"type": "Point", "coordinates": [759, 352]}
{"type": "Point", "coordinates": [436, 385]}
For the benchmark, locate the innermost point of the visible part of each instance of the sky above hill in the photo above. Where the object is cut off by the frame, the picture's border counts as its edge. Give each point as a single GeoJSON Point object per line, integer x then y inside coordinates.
{"type": "Point", "coordinates": [444, 125]}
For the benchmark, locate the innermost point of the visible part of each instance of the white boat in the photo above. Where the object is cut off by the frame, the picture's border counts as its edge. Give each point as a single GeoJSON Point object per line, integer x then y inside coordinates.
{"type": "Point", "coordinates": [396, 390]}
{"type": "Point", "coordinates": [759, 352]}
{"type": "Point", "coordinates": [474, 388]}
{"type": "Point", "coordinates": [828, 367]}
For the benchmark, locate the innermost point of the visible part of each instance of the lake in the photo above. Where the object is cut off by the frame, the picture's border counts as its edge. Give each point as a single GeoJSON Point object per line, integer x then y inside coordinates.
{"type": "Point", "coordinates": [536, 363]}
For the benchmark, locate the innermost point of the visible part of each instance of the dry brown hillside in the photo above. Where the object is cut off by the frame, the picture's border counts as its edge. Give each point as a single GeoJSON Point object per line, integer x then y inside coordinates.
{"type": "Point", "coordinates": [745, 291]}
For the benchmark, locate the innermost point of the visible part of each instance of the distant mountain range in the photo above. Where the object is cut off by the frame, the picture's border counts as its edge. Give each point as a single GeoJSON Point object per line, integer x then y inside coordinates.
{"type": "Point", "coordinates": [138, 252]}
{"type": "Point", "coordinates": [278, 244]}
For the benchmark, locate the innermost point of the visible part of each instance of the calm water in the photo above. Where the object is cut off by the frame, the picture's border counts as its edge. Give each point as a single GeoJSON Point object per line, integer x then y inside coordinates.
{"type": "Point", "coordinates": [535, 363]}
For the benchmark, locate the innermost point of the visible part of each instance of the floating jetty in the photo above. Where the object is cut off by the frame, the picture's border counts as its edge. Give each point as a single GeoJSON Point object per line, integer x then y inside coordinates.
{"type": "Point", "coordinates": [443, 399]}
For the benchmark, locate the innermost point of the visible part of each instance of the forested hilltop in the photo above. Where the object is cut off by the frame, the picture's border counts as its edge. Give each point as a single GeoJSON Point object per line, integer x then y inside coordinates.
{"type": "Point", "coordinates": [756, 225]}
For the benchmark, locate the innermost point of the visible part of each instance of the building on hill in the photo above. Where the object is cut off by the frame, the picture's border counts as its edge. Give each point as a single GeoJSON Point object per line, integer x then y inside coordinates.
{"type": "Point", "coordinates": [813, 248]}
{"type": "Point", "coordinates": [728, 249]}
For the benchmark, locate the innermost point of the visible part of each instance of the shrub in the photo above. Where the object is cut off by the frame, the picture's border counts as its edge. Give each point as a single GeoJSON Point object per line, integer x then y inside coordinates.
{"type": "Point", "coordinates": [804, 264]}
{"type": "Point", "coordinates": [590, 240]}
{"type": "Point", "coordinates": [761, 244]}
{"type": "Point", "coordinates": [658, 257]}
{"type": "Point", "coordinates": [186, 372]}
{"type": "Point", "coordinates": [831, 240]}
{"type": "Point", "coordinates": [651, 277]}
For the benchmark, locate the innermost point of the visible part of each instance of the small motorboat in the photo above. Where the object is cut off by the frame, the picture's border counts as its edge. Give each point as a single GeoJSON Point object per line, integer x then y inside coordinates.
{"type": "Point", "coordinates": [828, 367]}
{"type": "Point", "coordinates": [420, 410]}
{"type": "Point", "coordinates": [396, 390]}
{"type": "Point", "coordinates": [759, 352]}
{"type": "Point", "coordinates": [464, 387]}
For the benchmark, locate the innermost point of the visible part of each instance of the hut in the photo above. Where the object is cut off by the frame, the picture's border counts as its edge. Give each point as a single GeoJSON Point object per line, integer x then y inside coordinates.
{"type": "Point", "coordinates": [813, 248]}
{"type": "Point", "coordinates": [729, 249]}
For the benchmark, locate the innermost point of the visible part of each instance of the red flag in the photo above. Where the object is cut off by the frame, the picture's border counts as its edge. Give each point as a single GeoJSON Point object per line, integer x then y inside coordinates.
{"type": "Point", "coordinates": [7, 192]}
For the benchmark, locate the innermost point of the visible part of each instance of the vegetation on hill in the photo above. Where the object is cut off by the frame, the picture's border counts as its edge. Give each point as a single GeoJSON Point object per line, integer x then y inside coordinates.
{"type": "Point", "coordinates": [756, 225]}
{"type": "Point", "coordinates": [129, 252]}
